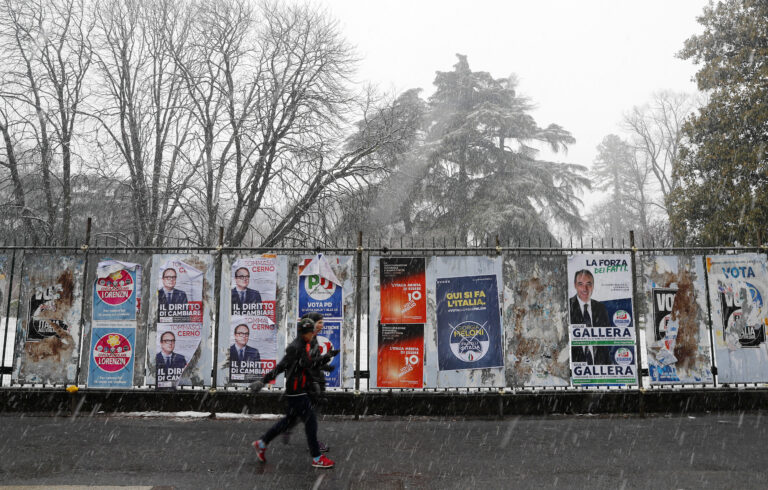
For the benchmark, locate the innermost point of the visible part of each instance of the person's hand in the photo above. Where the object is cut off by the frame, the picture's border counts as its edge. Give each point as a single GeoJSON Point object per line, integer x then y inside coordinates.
{"type": "Point", "coordinates": [328, 368]}
{"type": "Point", "coordinates": [256, 386]}
{"type": "Point", "coordinates": [334, 353]}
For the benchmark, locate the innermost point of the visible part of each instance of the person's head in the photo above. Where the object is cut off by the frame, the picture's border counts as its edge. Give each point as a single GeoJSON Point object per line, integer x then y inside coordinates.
{"type": "Point", "coordinates": [241, 335]}
{"type": "Point", "coordinates": [584, 283]}
{"type": "Point", "coordinates": [317, 318]}
{"type": "Point", "coordinates": [169, 278]}
{"type": "Point", "coordinates": [306, 329]}
{"type": "Point", "coordinates": [242, 277]}
{"type": "Point", "coordinates": [167, 343]}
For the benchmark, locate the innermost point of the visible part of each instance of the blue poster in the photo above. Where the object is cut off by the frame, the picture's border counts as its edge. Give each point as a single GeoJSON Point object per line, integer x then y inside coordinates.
{"type": "Point", "coordinates": [111, 357]}
{"type": "Point", "coordinates": [115, 292]}
{"type": "Point", "coordinates": [321, 295]}
{"type": "Point", "coordinates": [468, 323]}
{"type": "Point", "coordinates": [328, 339]}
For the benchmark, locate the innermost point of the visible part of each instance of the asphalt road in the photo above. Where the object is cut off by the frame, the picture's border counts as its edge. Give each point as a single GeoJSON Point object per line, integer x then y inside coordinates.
{"type": "Point", "coordinates": [715, 451]}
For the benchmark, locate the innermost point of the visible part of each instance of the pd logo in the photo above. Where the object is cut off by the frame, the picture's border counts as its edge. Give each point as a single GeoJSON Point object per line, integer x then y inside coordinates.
{"type": "Point", "coordinates": [116, 288]}
{"type": "Point", "coordinates": [112, 352]}
{"type": "Point", "coordinates": [319, 288]}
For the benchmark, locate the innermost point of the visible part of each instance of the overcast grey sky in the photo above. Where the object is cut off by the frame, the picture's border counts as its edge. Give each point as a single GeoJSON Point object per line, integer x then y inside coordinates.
{"type": "Point", "coordinates": [582, 62]}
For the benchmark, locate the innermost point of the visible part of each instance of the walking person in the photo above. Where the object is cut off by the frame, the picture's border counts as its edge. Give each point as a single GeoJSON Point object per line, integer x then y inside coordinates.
{"type": "Point", "coordinates": [298, 364]}
{"type": "Point", "coordinates": [318, 374]}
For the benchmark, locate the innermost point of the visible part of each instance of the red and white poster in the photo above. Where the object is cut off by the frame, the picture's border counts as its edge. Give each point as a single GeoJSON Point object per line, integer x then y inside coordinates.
{"type": "Point", "coordinates": [400, 357]}
{"type": "Point", "coordinates": [403, 290]}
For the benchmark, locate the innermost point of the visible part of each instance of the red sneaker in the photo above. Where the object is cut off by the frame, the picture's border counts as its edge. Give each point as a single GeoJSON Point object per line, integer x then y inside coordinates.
{"type": "Point", "coordinates": [261, 452]}
{"type": "Point", "coordinates": [323, 462]}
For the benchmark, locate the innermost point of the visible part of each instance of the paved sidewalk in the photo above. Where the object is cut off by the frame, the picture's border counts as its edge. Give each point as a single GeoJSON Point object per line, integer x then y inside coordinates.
{"type": "Point", "coordinates": [716, 451]}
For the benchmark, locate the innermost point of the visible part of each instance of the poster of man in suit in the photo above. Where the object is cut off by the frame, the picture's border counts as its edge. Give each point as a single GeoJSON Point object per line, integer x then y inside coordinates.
{"type": "Point", "coordinates": [253, 333]}
{"type": "Point", "coordinates": [169, 363]}
{"type": "Point", "coordinates": [601, 320]}
{"type": "Point", "coordinates": [179, 293]}
{"type": "Point", "coordinates": [179, 319]}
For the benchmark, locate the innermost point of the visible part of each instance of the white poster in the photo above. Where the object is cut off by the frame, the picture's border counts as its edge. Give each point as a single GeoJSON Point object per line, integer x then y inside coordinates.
{"type": "Point", "coordinates": [737, 288]}
{"type": "Point", "coordinates": [601, 319]}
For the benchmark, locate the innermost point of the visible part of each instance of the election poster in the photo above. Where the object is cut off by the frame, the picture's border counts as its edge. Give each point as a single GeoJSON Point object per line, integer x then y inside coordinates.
{"type": "Point", "coordinates": [115, 307]}
{"type": "Point", "coordinates": [253, 327]}
{"type": "Point", "coordinates": [328, 339]}
{"type": "Point", "coordinates": [738, 285]}
{"type": "Point", "coordinates": [403, 290]}
{"type": "Point", "coordinates": [400, 357]}
{"type": "Point", "coordinates": [676, 319]}
{"type": "Point", "coordinates": [468, 323]}
{"type": "Point", "coordinates": [254, 286]}
{"type": "Point", "coordinates": [48, 332]}
{"type": "Point", "coordinates": [601, 320]}
{"type": "Point", "coordinates": [180, 293]}
{"type": "Point", "coordinates": [321, 291]}
{"type": "Point", "coordinates": [180, 315]}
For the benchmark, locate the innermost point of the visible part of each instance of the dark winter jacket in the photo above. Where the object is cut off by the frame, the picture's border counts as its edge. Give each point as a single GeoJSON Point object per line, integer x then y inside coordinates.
{"type": "Point", "coordinates": [300, 364]}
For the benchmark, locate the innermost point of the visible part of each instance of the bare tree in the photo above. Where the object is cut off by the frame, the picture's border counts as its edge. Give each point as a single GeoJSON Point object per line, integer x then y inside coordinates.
{"type": "Point", "coordinates": [47, 43]}
{"type": "Point", "coordinates": [198, 115]}
{"type": "Point", "coordinates": [656, 131]}
{"type": "Point", "coordinates": [143, 123]}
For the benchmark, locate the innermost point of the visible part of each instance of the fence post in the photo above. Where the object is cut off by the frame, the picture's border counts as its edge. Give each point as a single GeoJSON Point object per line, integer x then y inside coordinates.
{"type": "Point", "coordinates": [638, 354]}
{"type": "Point", "coordinates": [217, 302]}
{"type": "Point", "coordinates": [358, 316]}
{"type": "Point", "coordinates": [85, 248]}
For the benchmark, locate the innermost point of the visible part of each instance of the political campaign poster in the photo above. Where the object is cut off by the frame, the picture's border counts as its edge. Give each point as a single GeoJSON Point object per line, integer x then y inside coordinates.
{"type": "Point", "coordinates": [738, 285]}
{"type": "Point", "coordinates": [112, 357]}
{"type": "Point", "coordinates": [179, 320]}
{"type": "Point", "coordinates": [254, 286]}
{"type": "Point", "coordinates": [115, 305]}
{"type": "Point", "coordinates": [320, 290]}
{"type": "Point", "coordinates": [253, 348]}
{"type": "Point", "coordinates": [180, 293]}
{"type": "Point", "coordinates": [116, 291]}
{"type": "Point", "coordinates": [176, 344]}
{"type": "Point", "coordinates": [403, 290]}
{"type": "Point", "coordinates": [328, 339]}
{"type": "Point", "coordinates": [601, 320]}
{"type": "Point", "coordinates": [468, 323]}
{"type": "Point", "coordinates": [47, 340]}
{"type": "Point", "coordinates": [676, 320]}
{"type": "Point", "coordinates": [400, 358]}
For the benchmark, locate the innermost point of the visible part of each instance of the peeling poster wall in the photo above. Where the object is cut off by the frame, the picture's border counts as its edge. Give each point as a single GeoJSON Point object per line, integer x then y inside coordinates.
{"type": "Point", "coordinates": [198, 368]}
{"type": "Point", "coordinates": [48, 327]}
{"type": "Point", "coordinates": [343, 267]}
{"type": "Point", "coordinates": [738, 285]}
{"type": "Point", "coordinates": [674, 316]}
{"type": "Point", "coordinates": [536, 321]}
{"type": "Point", "coordinates": [452, 267]}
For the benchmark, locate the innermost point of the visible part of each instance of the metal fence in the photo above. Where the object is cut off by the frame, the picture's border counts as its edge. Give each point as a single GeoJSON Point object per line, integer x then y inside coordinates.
{"type": "Point", "coordinates": [360, 324]}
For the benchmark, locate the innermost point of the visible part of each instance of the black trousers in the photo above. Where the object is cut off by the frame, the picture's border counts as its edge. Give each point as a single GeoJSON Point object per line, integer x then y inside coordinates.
{"type": "Point", "coordinates": [299, 407]}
